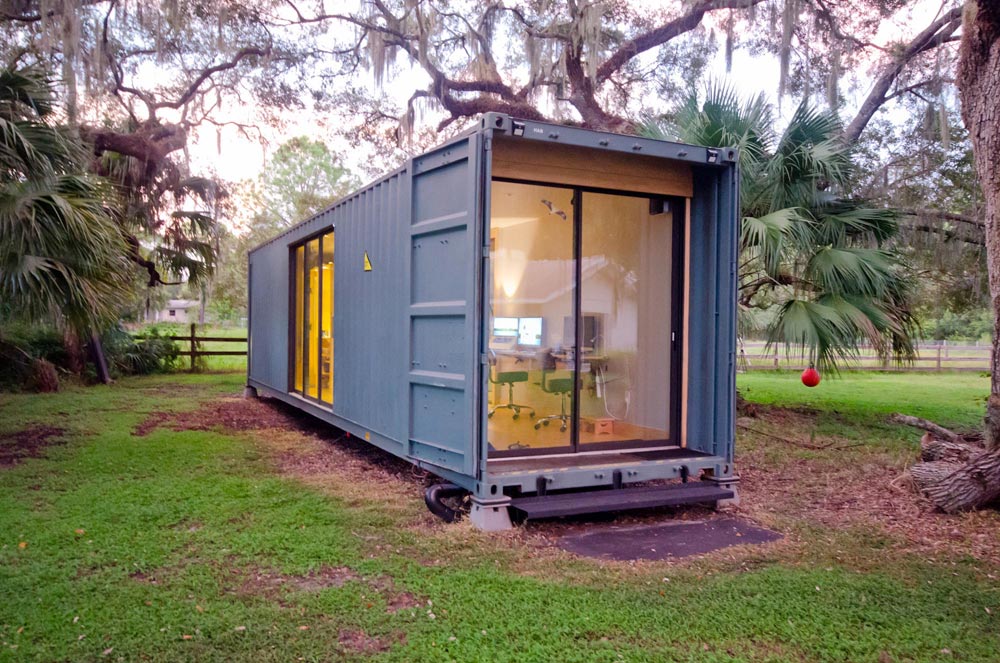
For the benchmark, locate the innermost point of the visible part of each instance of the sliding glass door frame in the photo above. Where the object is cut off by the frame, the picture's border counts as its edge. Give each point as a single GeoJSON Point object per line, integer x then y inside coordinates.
{"type": "Point", "coordinates": [304, 300]}
{"type": "Point", "coordinates": [677, 288]}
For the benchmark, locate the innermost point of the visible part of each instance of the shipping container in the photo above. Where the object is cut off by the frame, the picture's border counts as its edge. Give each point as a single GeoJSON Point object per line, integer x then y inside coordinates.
{"type": "Point", "coordinates": [543, 316]}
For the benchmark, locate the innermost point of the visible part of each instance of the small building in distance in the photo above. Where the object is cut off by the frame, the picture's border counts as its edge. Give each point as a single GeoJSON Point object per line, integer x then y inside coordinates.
{"type": "Point", "coordinates": [175, 310]}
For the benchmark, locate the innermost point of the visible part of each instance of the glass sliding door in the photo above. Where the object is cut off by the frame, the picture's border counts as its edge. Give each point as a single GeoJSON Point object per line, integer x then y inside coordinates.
{"type": "Point", "coordinates": [532, 285]}
{"type": "Point", "coordinates": [326, 320]}
{"type": "Point", "coordinates": [625, 295]}
{"type": "Point", "coordinates": [582, 320]}
{"type": "Point", "coordinates": [312, 319]}
{"type": "Point", "coordinates": [312, 331]}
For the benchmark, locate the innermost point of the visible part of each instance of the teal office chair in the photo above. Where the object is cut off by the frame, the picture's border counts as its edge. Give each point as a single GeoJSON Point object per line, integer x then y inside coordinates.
{"type": "Point", "coordinates": [561, 386]}
{"type": "Point", "coordinates": [508, 378]}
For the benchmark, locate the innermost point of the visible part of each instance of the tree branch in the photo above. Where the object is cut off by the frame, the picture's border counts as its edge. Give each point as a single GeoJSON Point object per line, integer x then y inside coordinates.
{"type": "Point", "coordinates": [945, 216]}
{"type": "Point", "coordinates": [935, 34]}
{"type": "Point", "coordinates": [135, 256]}
{"type": "Point", "coordinates": [664, 33]}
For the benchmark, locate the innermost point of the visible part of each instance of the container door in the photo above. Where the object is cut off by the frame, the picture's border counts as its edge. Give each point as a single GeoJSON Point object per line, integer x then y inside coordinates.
{"type": "Point", "coordinates": [445, 260]}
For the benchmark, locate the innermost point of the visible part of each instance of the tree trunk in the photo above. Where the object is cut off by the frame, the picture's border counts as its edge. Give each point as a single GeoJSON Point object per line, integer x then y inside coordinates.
{"type": "Point", "coordinates": [979, 90]}
{"type": "Point", "coordinates": [97, 356]}
{"type": "Point", "coordinates": [970, 486]}
{"type": "Point", "coordinates": [74, 351]}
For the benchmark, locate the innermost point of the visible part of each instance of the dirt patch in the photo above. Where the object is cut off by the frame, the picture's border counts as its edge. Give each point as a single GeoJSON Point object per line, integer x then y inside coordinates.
{"type": "Point", "coordinates": [402, 601]}
{"type": "Point", "coordinates": [29, 443]}
{"type": "Point", "coordinates": [144, 578]}
{"type": "Point", "coordinates": [228, 414]}
{"type": "Point", "coordinates": [395, 600]}
{"type": "Point", "coordinates": [357, 641]}
{"type": "Point", "coordinates": [153, 421]}
{"type": "Point", "coordinates": [263, 582]}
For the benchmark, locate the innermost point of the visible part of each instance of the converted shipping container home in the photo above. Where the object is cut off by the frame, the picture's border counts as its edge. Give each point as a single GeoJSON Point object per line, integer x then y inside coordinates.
{"type": "Point", "coordinates": [542, 315]}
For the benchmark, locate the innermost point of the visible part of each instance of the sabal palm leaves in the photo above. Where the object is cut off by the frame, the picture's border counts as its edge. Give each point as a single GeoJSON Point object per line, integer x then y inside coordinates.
{"type": "Point", "coordinates": [61, 253]}
{"type": "Point", "coordinates": [819, 256]}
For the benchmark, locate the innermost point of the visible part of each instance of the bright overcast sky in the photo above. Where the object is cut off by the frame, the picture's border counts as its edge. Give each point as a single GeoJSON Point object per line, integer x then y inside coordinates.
{"type": "Point", "coordinates": [244, 158]}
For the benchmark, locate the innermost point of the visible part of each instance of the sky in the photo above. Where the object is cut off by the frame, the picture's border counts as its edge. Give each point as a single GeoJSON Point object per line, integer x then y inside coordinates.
{"type": "Point", "coordinates": [245, 158]}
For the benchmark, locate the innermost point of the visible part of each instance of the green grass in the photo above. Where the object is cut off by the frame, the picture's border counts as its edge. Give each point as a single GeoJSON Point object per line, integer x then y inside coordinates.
{"type": "Point", "coordinates": [950, 399]}
{"type": "Point", "coordinates": [201, 511]}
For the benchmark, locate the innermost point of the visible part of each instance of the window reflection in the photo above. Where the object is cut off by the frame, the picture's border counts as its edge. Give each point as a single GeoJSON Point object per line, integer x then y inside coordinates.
{"type": "Point", "coordinates": [533, 274]}
{"type": "Point", "coordinates": [621, 310]}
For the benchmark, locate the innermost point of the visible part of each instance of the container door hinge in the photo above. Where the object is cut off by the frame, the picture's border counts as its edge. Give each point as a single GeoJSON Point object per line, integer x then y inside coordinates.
{"type": "Point", "coordinates": [488, 144]}
{"type": "Point", "coordinates": [484, 359]}
{"type": "Point", "coordinates": [486, 251]}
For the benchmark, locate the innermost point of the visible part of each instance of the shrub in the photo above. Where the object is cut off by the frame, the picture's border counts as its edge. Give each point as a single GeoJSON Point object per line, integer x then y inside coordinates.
{"type": "Point", "coordinates": [29, 357]}
{"type": "Point", "coordinates": [145, 353]}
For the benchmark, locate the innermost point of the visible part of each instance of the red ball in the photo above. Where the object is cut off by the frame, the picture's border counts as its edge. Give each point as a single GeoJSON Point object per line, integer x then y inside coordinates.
{"type": "Point", "coordinates": [810, 377]}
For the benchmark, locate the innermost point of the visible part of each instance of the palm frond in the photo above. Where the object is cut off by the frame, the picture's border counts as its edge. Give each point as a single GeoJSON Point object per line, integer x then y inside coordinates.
{"type": "Point", "coordinates": [765, 236]}
{"type": "Point", "coordinates": [822, 330]}
{"type": "Point", "coordinates": [851, 271]}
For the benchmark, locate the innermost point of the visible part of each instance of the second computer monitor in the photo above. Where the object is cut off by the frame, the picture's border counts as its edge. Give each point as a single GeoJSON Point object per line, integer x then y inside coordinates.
{"type": "Point", "coordinates": [529, 332]}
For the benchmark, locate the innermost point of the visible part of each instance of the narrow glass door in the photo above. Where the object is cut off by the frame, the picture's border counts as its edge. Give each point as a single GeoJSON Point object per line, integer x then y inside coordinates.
{"type": "Point", "coordinates": [626, 265]}
{"type": "Point", "coordinates": [532, 290]}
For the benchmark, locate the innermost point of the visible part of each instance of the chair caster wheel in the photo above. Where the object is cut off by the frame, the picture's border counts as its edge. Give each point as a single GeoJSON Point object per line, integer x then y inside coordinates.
{"type": "Point", "coordinates": [562, 429]}
{"type": "Point", "coordinates": [489, 416]}
{"type": "Point", "coordinates": [546, 422]}
{"type": "Point", "coordinates": [516, 415]}
{"type": "Point", "coordinates": [532, 415]}
{"type": "Point", "coordinates": [537, 426]}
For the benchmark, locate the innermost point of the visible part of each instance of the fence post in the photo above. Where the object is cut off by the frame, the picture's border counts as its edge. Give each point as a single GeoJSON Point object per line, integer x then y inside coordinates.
{"type": "Point", "coordinates": [775, 358]}
{"type": "Point", "coordinates": [192, 346]}
{"type": "Point", "coordinates": [939, 359]}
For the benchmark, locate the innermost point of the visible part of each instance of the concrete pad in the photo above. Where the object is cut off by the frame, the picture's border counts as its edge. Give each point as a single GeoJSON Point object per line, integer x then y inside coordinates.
{"type": "Point", "coordinates": [667, 540]}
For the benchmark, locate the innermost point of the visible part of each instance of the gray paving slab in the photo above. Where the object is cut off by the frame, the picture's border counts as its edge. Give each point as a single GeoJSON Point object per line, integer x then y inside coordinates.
{"type": "Point", "coordinates": [666, 540]}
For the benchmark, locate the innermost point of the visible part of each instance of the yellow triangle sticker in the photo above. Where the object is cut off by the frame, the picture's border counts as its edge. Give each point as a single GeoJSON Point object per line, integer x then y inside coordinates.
{"type": "Point", "coordinates": [368, 263]}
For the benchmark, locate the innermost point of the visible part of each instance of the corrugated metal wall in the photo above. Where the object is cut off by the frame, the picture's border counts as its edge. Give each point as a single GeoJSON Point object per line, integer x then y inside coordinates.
{"type": "Point", "coordinates": [269, 316]}
{"type": "Point", "coordinates": [408, 332]}
{"type": "Point", "coordinates": [712, 315]}
{"type": "Point", "coordinates": [369, 309]}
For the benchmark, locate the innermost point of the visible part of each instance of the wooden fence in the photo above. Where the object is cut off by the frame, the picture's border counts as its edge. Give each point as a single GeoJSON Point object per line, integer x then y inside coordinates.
{"type": "Point", "coordinates": [939, 356]}
{"type": "Point", "coordinates": [194, 346]}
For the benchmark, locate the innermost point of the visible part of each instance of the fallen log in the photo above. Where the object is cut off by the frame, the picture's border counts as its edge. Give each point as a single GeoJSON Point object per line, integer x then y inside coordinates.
{"type": "Point", "coordinates": [958, 473]}
{"type": "Point", "coordinates": [939, 431]}
{"type": "Point", "coordinates": [933, 449]}
{"type": "Point", "coordinates": [928, 474]}
{"type": "Point", "coordinates": [967, 486]}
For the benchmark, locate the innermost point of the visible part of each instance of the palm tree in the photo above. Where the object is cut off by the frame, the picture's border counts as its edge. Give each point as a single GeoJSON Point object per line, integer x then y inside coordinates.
{"type": "Point", "coordinates": [819, 257]}
{"type": "Point", "coordinates": [62, 254]}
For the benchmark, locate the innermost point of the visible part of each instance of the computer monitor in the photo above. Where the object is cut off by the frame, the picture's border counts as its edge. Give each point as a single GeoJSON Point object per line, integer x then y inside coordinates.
{"type": "Point", "coordinates": [505, 327]}
{"type": "Point", "coordinates": [593, 334]}
{"type": "Point", "coordinates": [529, 332]}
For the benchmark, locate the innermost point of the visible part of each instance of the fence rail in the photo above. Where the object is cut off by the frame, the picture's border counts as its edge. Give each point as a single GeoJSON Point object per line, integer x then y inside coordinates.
{"type": "Point", "coordinates": [939, 356]}
{"type": "Point", "coordinates": [194, 345]}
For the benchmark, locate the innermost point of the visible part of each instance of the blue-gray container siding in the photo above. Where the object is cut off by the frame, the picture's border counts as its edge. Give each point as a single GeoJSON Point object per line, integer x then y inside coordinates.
{"type": "Point", "coordinates": [712, 313]}
{"type": "Point", "coordinates": [445, 231]}
{"type": "Point", "coordinates": [407, 333]}
{"type": "Point", "coordinates": [369, 321]}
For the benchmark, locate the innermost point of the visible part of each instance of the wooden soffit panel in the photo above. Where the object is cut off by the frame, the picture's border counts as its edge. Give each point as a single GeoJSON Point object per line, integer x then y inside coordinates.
{"type": "Point", "coordinates": [521, 159]}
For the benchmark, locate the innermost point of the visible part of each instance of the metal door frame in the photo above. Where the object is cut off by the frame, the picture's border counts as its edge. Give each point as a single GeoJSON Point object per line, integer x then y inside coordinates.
{"type": "Point", "coordinates": [678, 285]}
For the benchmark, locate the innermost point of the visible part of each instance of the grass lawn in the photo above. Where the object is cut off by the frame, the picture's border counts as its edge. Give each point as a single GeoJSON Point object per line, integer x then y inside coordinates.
{"type": "Point", "coordinates": [950, 399]}
{"type": "Point", "coordinates": [205, 538]}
